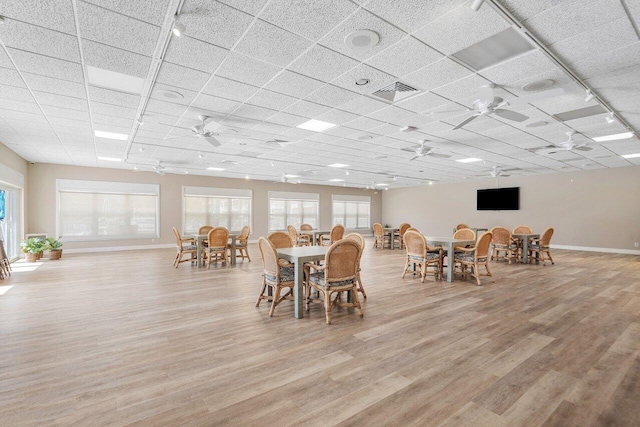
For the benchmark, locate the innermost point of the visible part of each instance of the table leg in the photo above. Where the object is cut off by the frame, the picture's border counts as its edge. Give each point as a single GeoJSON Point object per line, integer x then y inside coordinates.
{"type": "Point", "coordinates": [450, 262]}
{"type": "Point", "coordinates": [233, 251]}
{"type": "Point", "coordinates": [525, 250]}
{"type": "Point", "coordinates": [298, 291]}
{"type": "Point", "coordinates": [199, 249]}
{"type": "Point", "coordinates": [393, 240]}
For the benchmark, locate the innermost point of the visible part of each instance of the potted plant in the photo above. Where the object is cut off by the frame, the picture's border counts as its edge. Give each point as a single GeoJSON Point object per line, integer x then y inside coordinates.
{"type": "Point", "coordinates": [54, 247]}
{"type": "Point", "coordinates": [33, 248]}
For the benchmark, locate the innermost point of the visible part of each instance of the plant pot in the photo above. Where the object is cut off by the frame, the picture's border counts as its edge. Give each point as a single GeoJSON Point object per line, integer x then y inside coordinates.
{"type": "Point", "coordinates": [30, 257]}
{"type": "Point", "coordinates": [55, 254]}
{"type": "Point", "coordinates": [39, 255]}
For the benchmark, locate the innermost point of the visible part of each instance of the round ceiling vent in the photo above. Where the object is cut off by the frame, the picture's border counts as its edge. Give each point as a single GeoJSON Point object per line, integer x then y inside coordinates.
{"type": "Point", "coordinates": [536, 124]}
{"type": "Point", "coordinates": [362, 39]}
{"type": "Point", "coordinates": [538, 85]}
{"type": "Point", "coordinates": [169, 94]}
{"type": "Point", "coordinates": [362, 82]}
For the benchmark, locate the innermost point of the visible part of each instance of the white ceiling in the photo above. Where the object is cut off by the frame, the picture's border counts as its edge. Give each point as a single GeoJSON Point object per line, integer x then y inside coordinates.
{"type": "Point", "coordinates": [264, 67]}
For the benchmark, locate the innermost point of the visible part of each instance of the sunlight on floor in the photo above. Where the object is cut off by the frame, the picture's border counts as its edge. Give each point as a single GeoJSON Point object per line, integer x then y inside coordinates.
{"type": "Point", "coordinates": [21, 266]}
{"type": "Point", "coordinates": [5, 289]}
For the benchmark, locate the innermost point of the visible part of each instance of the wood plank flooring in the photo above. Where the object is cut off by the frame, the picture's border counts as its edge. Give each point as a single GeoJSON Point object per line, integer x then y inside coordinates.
{"type": "Point", "coordinates": [123, 338]}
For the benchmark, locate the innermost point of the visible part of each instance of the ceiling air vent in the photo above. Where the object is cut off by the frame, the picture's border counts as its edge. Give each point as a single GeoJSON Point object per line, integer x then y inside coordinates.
{"type": "Point", "coordinates": [498, 48]}
{"type": "Point", "coordinates": [395, 92]}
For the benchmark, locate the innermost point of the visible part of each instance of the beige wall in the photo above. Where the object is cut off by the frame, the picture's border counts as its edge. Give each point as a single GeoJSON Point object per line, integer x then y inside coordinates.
{"type": "Point", "coordinates": [43, 196]}
{"type": "Point", "coordinates": [596, 209]}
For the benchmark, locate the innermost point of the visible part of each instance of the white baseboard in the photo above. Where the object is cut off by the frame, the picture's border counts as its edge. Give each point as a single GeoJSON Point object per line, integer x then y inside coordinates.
{"type": "Point", "coordinates": [119, 248]}
{"type": "Point", "coordinates": [592, 249]}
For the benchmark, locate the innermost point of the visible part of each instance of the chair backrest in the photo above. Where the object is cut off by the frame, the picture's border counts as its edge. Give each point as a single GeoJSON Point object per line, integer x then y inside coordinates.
{"type": "Point", "coordinates": [357, 237]}
{"type": "Point", "coordinates": [522, 229]}
{"type": "Point", "coordinates": [415, 243]}
{"type": "Point", "coordinates": [377, 229]}
{"type": "Point", "coordinates": [501, 236]}
{"type": "Point", "coordinates": [205, 229]}
{"type": "Point", "coordinates": [244, 234]}
{"type": "Point", "coordinates": [178, 237]}
{"type": "Point", "coordinates": [342, 261]}
{"type": "Point", "coordinates": [482, 247]}
{"type": "Point", "coordinates": [412, 229]}
{"type": "Point", "coordinates": [280, 240]}
{"type": "Point", "coordinates": [218, 237]}
{"type": "Point", "coordinates": [404, 227]}
{"type": "Point", "coordinates": [306, 227]}
{"type": "Point", "coordinates": [546, 237]}
{"type": "Point", "coordinates": [293, 233]}
{"type": "Point", "coordinates": [465, 233]}
{"type": "Point", "coordinates": [461, 226]}
{"type": "Point", "coordinates": [269, 257]}
{"type": "Point", "coordinates": [337, 232]}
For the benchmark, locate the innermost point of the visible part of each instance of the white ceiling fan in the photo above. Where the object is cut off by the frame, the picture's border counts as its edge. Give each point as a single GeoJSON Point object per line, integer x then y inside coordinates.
{"type": "Point", "coordinates": [496, 172]}
{"type": "Point", "coordinates": [422, 150]}
{"type": "Point", "coordinates": [567, 145]}
{"type": "Point", "coordinates": [208, 130]}
{"type": "Point", "coordinates": [288, 178]}
{"type": "Point", "coordinates": [488, 104]}
{"type": "Point", "coordinates": [161, 168]}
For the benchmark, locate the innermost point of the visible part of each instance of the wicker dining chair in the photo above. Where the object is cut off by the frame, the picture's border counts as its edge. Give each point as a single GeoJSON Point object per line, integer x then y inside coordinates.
{"type": "Point", "coordinates": [541, 246]}
{"type": "Point", "coordinates": [337, 232]}
{"type": "Point", "coordinates": [274, 275]}
{"type": "Point", "coordinates": [242, 243]}
{"type": "Point", "coordinates": [5, 265]}
{"type": "Point", "coordinates": [521, 229]}
{"type": "Point", "coordinates": [474, 257]}
{"type": "Point", "coordinates": [503, 242]}
{"type": "Point", "coordinates": [461, 226]}
{"type": "Point", "coordinates": [295, 237]}
{"type": "Point", "coordinates": [281, 240]}
{"type": "Point", "coordinates": [205, 242]}
{"type": "Point", "coordinates": [399, 235]}
{"type": "Point", "coordinates": [184, 246]}
{"type": "Point", "coordinates": [218, 238]}
{"type": "Point", "coordinates": [306, 227]}
{"type": "Point", "coordinates": [379, 236]}
{"type": "Point", "coordinates": [419, 256]}
{"type": "Point", "coordinates": [340, 274]}
{"type": "Point", "coordinates": [357, 237]}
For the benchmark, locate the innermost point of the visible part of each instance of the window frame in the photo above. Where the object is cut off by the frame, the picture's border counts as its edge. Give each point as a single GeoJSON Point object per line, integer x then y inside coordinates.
{"type": "Point", "coordinates": [215, 192]}
{"type": "Point", "coordinates": [345, 198]}
{"type": "Point", "coordinates": [293, 197]}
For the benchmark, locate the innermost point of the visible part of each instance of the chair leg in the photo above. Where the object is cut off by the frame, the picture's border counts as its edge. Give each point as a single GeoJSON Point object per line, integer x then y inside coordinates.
{"type": "Point", "coordinates": [177, 260]}
{"type": "Point", "coordinates": [327, 306]}
{"type": "Point", "coordinates": [423, 271]}
{"type": "Point", "coordinates": [550, 259]}
{"type": "Point", "coordinates": [276, 298]}
{"type": "Point", "coordinates": [476, 272]}
{"type": "Point", "coordinates": [406, 267]}
{"type": "Point", "coordinates": [261, 297]}
{"type": "Point", "coordinates": [360, 287]}
{"type": "Point", "coordinates": [356, 302]}
{"type": "Point", "coordinates": [246, 252]}
{"type": "Point", "coordinates": [486, 265]}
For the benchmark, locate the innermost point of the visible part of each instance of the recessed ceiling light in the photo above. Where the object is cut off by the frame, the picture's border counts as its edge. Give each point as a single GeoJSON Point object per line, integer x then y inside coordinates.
{"type": "Point", "coordinates": [383, 184]}
{"type": "Point", "coordinates": [112, 80]}
{"type": "Point", "coordinates": [186, 172]}
{"type": "Point", "coordinates": [337, 165]}
{"type": "Point", "coordinates": [430, 182]}
{"type": "Point", "coordinates": [169, 94]}
{"type": "Point", "coordinates": [538, 85]}
{"type": "Point", "coordinates": [110, 159]}
{"type": "Point", "coordinates": [362, 82]}
{"type": "Point", "coordinates": [336, 180]}
{"type": "Point", "coordinates": [316, 125]}
{"type": "Point", "coordinates": [362, 39]}
{"type": "Point", "coordinates": [178, 28]}
{"type": "Point", "coordinates": [615, 137]}
{"type": "Point", "coordinates": [631, 156]}
{"type": "Point", "coordinates": [469, 160]}
{"type": "Point", "coordinates": [536, 124]}
{"type": "Point", "coordinates": [141, 149]}
{"type": "Point", "coordinates": [111, 135]}
{"type": "Point", "coordinates": [211, 168]}
{"type": "Point", "coordinates": [246, 177]}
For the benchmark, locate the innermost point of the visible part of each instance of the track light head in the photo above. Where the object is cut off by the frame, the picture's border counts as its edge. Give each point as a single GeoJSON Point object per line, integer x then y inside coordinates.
{"type": "Point", "coordinates": [589, 97]}
{"type": "Point", "coordinates": [476, 4]}
{"type": "Point", "coordinates": [179, 29]}
{"type": "Point", "coordinates": [610, 119]}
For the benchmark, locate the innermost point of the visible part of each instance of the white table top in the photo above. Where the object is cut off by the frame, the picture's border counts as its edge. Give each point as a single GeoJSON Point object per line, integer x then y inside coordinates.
{"type": "Point", "coordinates": [302, 251]}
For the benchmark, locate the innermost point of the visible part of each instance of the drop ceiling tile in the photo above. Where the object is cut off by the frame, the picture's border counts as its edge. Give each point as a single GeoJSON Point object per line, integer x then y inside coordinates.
{"type": "Point", "coordinates": [405, 57]}
{"type": "Point", "coordinates": [392, 114]}
{"type": "Point", "coordinates": [112, 110]}
{"type": "Point", "coordinates": [53, 14]}
{"type": "Point", "coordinates": [254, 112]}
{"type": "Point", "coordinates": [377, 79]}
{"type": "Point", "coordinates": [525, 9]}
{"type": "Point", "coordinates": [461, 28]}
{"type": "Point", "coordinates": [322, 64]}
{"type": "Point", "coordinates": [111, 28]}
{"type": "Point", "coordinates": [307, 109]}
{"type": "Point", "coordinates": [359, 20]}
{"type": "Point", "coordinates": [101, 119]}
{"type": "Point", "coordinates": [331, 96]}
{"type": "Point", "coordinates": [44, 65]}
{"type": "Point", "coordinates": [65, 113]}
{"type": "Point", "coordinates": [39, 40]}
{"type": "Point", "coordinates": [624, 57]}
{"type": "Point", "coordinates": [182, 77]}
{"type": "Point", "coordinates": [69, 123]}
{"type": "Point", "coordinates": [214, 22]}
{"type": "Point", "coordinates": [464, 89]}
{"type": "Point", "coordinates": [15, 93]}
{"type": "Point", "coordinates": [524, 66]}
{"type": "Point", "coordinates": [56, 86]}
{"type": "Point", "coordinates": [215, 104]}
{"type": "Point", "coordinates": [267, 99]}
{"type": "Point", "coordinates": [338, 117]}
{"type": "Point", "coordinates": [293, 84]}
{"type": "Point", "coordinates": [114, 59]}
{"type": "Point", "coordinates": [271, 128]}
{"type": "Point", "coordinates": [113, 97]}
{"type": "Point", "coordinates": [568, 20]}
{"type": "Point", "coordinates": [438, 74]}
{"type": "Point", "coordinates": [229, 89]}
{"type": "Point", "coordinates": [412, 14]}
{"type": "Point", "coordinates": [247, 70]}
{"type": "Point", "coordinates": [364, 124]}
{"type": "Point", "coordinates": [422, 102]}
{"type": "Point", "coordinates": [196, 54]}
{"type": "Point", "coordinates": [363, 105]}
{"type": "Point", "coordinates": [20, 106]}
{"type": "Point", "coordinates": [271, 44]}
{"type": "Point", "coordinates": [286, 119]}
{"type": "Point", "coordinates": [150, 11]}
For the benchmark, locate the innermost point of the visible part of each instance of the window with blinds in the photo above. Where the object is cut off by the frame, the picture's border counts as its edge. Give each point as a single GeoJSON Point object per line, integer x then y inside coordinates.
{"type": "Point", "coordinates": [286, 208]}
{"type": "Point", "coordinates": [90, 210]}
{"type": "Point", "coordinates": [217, 207]}
{"type": "Point", "coordinates": [351, 211]}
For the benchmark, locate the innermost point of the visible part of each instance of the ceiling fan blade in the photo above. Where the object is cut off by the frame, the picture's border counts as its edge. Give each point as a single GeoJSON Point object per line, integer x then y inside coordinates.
{"type": "Point", "coordinates": [414, 157]}
{"type": "Point", "coordinates": [466, 121]}
{"type": "Point", "coordinates": [410, 150]}
{"type": "Point", "coordinates": [180, 136]}
{"type": "Point", "coordinates": [511, 115]}
{"type": "Point", "coordinates": [442, 156]}
{"type": "Point", "coordinates": [486, 94]}
{"type": "Point", "coordinates": [536, 96]}
{"type": "Point", "coordinates": [583, 148]}
{"type": "Point", "coordinates": [211, 140]}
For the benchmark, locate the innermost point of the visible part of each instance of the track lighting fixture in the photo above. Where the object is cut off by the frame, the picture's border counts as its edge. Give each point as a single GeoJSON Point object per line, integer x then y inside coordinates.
{"type": "Point", "coordinates": [476, 4]}
{"type": "Point", "coordinates": [178, 28]}
{"type": "Point", "coordinates": [610, 119]}
{"type": "Point", "coordinates": [589, 97]}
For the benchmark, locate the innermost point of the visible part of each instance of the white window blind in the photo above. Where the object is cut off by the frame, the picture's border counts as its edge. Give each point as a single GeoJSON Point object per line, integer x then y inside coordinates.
{"type": "Point", "coordinates": [288, 208]}
{"type": "Point", "coordinates": [218, 207]}
{"type": "Point", "coordinates": [94, 210]}
{"type": "Point", "coordinates": [351, 211]}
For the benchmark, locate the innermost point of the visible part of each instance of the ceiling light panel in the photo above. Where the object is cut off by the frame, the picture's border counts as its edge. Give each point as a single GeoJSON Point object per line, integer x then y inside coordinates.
{"type": "Point", "coordinates": [316, 125]}
{"type": "Point", "coordinates": [496, 49]}
{"type": "Point", "coordinates": [111, 135]}
{"type": "Point", "coordinates": [615, 137]}
{"type": "Point", "coordinates": [469, 160]}
{"type": "Point", "coordinates": [116, 81]}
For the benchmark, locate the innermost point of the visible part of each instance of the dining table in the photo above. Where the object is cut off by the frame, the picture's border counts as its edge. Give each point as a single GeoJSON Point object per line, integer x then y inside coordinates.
{"type": "Point", "coordinates": [450, 243]}
{"type": "Point", "coordinates": [392, 232]}
{"type": "Point", "coordinates": [202, 237]}
{"type": "Point", "coordinates": [298, 256]}
{"type": "Point", "coordinates": [315, 235]}
{"type": "Point", "coordinates": [525, 244]}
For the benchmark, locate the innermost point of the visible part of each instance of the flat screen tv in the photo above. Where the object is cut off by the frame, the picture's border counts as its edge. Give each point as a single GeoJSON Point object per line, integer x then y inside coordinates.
{"type": "Point", "coordinates": [499, 199]}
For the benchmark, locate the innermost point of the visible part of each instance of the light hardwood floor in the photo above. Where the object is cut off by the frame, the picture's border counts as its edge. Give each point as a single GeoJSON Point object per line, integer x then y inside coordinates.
{"type": "Point", "coordinates": [124, 338]}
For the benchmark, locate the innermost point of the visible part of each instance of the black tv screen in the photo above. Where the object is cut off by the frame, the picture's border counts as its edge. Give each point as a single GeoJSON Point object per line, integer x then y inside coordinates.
{"type": "Point", "coordinates": [499, 199]}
